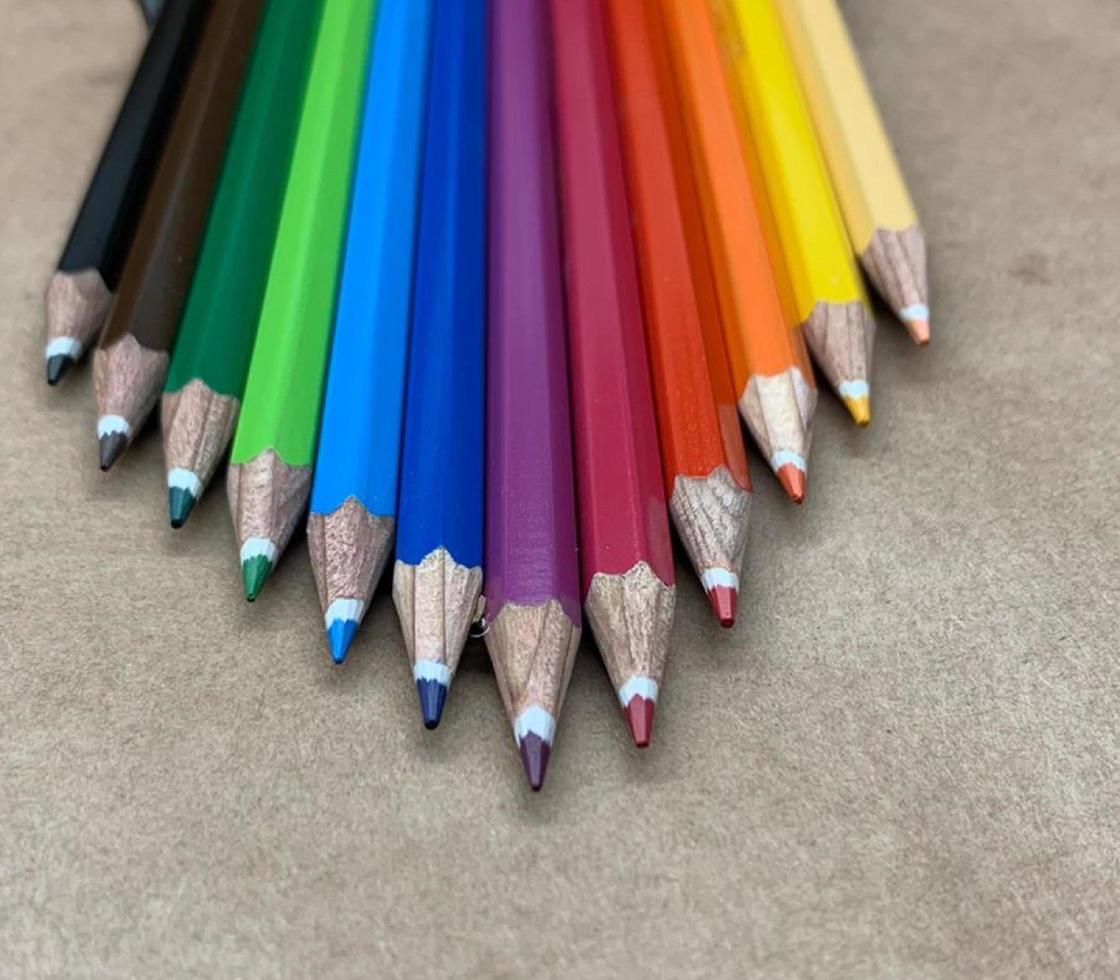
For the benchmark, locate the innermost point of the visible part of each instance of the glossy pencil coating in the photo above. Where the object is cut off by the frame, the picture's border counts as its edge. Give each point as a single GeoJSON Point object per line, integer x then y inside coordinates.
{"type": "Point", "coordinates": [878, 212]}
{"type": "Point", "coordinates": [132, 358]}
{"type": "Point", "coordinates": [270, 472]}
{"type": "Point", "coordinates": [702, 453]}
{"type": "Point", "coordinates": [769, 361]}
{"type": "Point", "coordinates": [532, 579]}
{"type": "Point", "coordinates": [438, 574]}
{"type": "Point", "coordinates": [211, 360]}
{"type": "Point", "coordinates": [831, 302]}
{"type": "Point", "coordinates": [354, 499]}
{"type": "Point", "coordinates": [626, 556]}
{"type": "Point", "coordinates": [88, 271]}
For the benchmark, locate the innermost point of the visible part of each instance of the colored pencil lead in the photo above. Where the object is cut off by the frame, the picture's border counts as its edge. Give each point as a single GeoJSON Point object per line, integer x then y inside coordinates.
{"type": "Point", "coordinates": [535, 753]}
{"type": "Point", "coordinates": [793, 480]}
{"type": "Point", "coordinates": [113, 434]}
{"type": "Point", "coordinates": [724, 600]}
{"type": "Point", "coordinates": [639, 717]}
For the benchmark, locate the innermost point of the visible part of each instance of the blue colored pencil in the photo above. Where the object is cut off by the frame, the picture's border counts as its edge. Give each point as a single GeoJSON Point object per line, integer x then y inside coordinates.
{"type": "Point", "coordinates": [438, 575]}
{"type": "Point", "coordinates": [354, 497]}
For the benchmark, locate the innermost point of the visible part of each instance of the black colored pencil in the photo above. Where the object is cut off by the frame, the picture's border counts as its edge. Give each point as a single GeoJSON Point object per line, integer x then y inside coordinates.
{"type": "Point", "coordinates": [81, 290]}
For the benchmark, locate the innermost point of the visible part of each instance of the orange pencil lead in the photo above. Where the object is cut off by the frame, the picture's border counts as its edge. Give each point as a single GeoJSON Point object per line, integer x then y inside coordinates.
{"type": "Point", "coordinates": [793, 482]}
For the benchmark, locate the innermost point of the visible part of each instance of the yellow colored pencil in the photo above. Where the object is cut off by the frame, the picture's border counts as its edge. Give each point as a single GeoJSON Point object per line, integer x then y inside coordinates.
{"type": "Point", "coordinates": [880, 217]}
{"type": "Point", "coordinates": [828, 290]}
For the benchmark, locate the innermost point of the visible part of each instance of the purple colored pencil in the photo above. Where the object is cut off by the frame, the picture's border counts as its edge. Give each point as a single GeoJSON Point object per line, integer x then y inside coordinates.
{"type": "Point", "coordinates": [531, 566]}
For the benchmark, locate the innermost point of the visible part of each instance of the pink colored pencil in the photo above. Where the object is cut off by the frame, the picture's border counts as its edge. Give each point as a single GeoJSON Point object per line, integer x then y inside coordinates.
{"type": "Point", "coordinates": [626, 556]}
{"type": "Point", "coordinates": [532, 578]}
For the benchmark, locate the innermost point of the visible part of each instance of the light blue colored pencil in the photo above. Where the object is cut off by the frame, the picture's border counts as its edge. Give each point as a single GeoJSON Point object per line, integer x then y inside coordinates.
{"type": "Point", "coordinates": [354, 497]}
{"type": "Point", "coordinates": [438, 575]}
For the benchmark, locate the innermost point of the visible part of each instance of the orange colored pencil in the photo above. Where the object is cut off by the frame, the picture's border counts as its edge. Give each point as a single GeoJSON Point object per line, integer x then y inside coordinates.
{"type": "Point", "coordinates": [769, 360]}
{"type": "Point", "coordinates": [702, 454]}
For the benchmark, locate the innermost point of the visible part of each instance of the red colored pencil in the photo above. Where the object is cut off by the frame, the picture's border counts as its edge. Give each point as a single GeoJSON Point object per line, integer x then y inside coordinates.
{"type": "Point", "coordinates": [705, 464]}
{"type": "Point", "coordinates": [626, 558]}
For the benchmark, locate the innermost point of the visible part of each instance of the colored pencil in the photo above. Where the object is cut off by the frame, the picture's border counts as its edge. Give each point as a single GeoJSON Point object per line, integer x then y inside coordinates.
{"type": "Point", "coordinates": [270, 465]}
{"type": "Point", "coordinates": [770, 365]}
{"type": "Point", "coordinates": [868, 181]}
{"type": "Point", "coordinates": [82, 288]}
{"type": "Point", "coordinates": [130, 365]}
{"type": "Point", "coordinates": [831, 302]}
{"type": "Point", "coordinates": [357, 470]}
{"type": "Point", "coordinates": [626, 556]}
{"type": "Point", "coordinates": [211, 359]}
{"type": "Point", "coordinates": [702, 455]}
{"type": "Point", "coordinates": [532, 578]}
{"type": "Point", "coordinates": [437, 579]}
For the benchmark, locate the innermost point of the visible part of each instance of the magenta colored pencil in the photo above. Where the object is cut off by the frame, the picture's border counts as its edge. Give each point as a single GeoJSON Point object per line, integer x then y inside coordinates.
{"type": "Point", "coordinates": [531, 568]}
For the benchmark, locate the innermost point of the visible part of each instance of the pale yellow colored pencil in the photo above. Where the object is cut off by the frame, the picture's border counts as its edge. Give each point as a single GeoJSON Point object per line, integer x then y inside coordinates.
{"type": "Point", "coordinates": [868, 181]}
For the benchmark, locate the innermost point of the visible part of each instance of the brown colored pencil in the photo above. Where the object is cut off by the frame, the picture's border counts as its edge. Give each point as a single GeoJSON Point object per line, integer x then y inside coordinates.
{"type": "Point", "coordinates": [132, 358]}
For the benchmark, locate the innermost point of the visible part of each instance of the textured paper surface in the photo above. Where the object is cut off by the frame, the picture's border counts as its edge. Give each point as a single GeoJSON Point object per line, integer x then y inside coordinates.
{"type": "Point", "coordinates": [903, 762]}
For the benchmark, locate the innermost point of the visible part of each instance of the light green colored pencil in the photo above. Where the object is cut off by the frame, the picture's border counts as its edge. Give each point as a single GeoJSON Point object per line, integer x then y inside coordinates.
{"type": "Point", "coordinates": [270, 467]}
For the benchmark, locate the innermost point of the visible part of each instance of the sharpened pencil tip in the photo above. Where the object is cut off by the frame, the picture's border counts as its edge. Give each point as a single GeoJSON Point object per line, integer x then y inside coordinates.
{"type": "Point", "coordinates": [254, 573]}
{"type": "Point", "coordinates": [433, 696]}
{"type": "Point", "coordinates": [340, 636]}
{"type": "Point", "coordinates": [111, 447]}
{"type": "Point", "coordinates": [725, 604]}
{"type": "Point", "coordinates": [535, 753]}
{"type": "Point", "coordinates": [919, 331]}
{"type": "Point", "coordinates": [793, 481]}
{"type": "Point", "coordinates": [58, 365]}
{"type": "Point", "coordinates": [860, 409]}
{"type": "Point", "coordinates": [639, 716]}
{"type": "Point", "coordinates": [180, 503]}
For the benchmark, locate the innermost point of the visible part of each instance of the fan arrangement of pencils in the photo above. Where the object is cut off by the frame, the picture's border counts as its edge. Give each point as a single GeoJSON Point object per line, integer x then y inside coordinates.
{"type": "Point", "coordinates": [486, 286]}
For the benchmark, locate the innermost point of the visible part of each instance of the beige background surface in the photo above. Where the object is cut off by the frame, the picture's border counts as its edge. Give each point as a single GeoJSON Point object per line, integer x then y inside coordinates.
{"type": "Point", "coordinates": [902, 763]}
